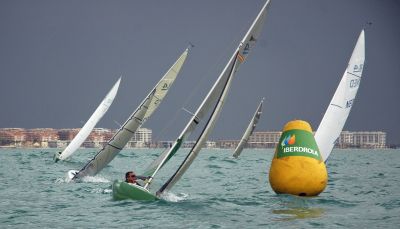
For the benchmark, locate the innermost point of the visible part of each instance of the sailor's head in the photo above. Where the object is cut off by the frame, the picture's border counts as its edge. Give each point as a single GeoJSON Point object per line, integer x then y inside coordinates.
{"type": "Point", "coordinates": [130, 177]}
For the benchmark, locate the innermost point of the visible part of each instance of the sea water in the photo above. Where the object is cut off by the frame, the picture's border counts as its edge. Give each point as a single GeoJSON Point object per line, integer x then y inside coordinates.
{"type": "Point", "coordinates": [217, 191]}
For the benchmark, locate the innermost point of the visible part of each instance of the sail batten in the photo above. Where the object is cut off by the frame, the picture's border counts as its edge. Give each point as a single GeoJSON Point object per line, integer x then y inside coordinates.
{"type": "Point", "coordinates": [117, 143]}
{"type": "Point", "coordinates": [353, 74]}
{"type": "Point", "coordinates": [138, 117]}
{"type": "Point", "coordinates": [342, 101]}
{"type": "Point", "coordinates": [242, 50]}
{"type": "Point", "coordinates": [191, 125]}
{"type": "Point", "coordinates": [219, 89]}
{"type": "Point", "coordinates": [202, 137]}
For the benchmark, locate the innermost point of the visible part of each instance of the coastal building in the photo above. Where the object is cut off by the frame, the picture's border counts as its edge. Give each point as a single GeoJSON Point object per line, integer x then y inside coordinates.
{"type": "Point", "coordinates": [141, 139]}
{"type": "Point", "coordinates": [264, 139]}
{"type": "Point", "coordinates": [12, 137]}
{"type": "Point", "coordinates": [362, 139]}
{"type": "Point", "coordinates": [185, 145]}
{"type": "Point", "coordinates": [227, 144]}
{"type": "Point", "coordinates": [347, 139]}
{"type": "Point", "coordinates": [53, 138]}
{"type": "Point", "coordinates": [143, 135]}
{"type": "Point", "coordinates": [98, 138]}
{"type": "Point", "coordinates": [260, 139]}
{"type": "Point", "coordinates": [161, 144]}
{"type": "Point", "coordinates": [33, 138]}
{"type": "Point", "coordinates": [67, 134]}
{"type": "Point", "coordinates": [211, 144]}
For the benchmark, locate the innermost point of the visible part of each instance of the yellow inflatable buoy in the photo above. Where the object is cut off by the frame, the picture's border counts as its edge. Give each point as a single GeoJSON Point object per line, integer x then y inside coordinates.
{"type": "Point", "coordinates": [297, 167]}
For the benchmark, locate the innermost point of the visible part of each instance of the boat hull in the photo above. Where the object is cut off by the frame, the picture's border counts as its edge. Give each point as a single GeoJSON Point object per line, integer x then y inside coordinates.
{"type": "Point", "coordinates": [123, 191]}
{"type": "Point", "coordinates": [56, 157]}
{"type": "Point", "coordinates": [70, 175]}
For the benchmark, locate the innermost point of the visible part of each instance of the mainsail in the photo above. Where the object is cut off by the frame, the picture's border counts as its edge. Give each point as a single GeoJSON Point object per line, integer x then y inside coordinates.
{"type": "Point", "coordinates": [90, 124]}
{"type": "Point", "coordinates": [117, 142]}
{"type": "Point", "coordinates": [142, 113]}
{"type": "Point", "coordinates": [250, 128]}
{"type": "Point", "coordinates": [339, 108]}
{"type": "Point", "coordinates": [203, 136]}
{"type": "Point", "coordinates": [215, 95]}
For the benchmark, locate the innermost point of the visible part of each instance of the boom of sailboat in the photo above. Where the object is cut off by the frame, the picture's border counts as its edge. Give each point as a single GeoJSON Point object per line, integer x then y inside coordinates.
{"type": "Point", "coordinates": [213, 102]}
{"type": "Point", "coordinates": [135, 120]}
{"type": "Point", "coordinates": [207, 114]}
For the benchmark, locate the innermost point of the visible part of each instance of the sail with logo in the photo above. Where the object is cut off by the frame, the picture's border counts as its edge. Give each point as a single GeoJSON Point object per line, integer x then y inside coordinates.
{"type": "Point", "coordinates": [339, 108]}
{"type": "Point", "coordinates": [250, 129]}
{"type": "Point", "coordinates": [127, 130]}
{"type": "Point", "coordinates": [214, 101]}
{"type": "Point", "coordinates": [245, 46]}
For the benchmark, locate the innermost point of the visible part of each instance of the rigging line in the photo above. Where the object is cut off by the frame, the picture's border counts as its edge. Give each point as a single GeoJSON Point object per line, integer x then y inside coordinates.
{"type": "Point", "coordinates": [204, 128]}
{"type": "Point", "coordinates": [200, 84]}
{"type": "Point", "coordinates": [191, 113]}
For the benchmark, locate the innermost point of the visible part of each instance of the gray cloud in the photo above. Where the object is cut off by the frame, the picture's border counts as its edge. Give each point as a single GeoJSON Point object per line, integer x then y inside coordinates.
{"type": "Point", "coordinates": [58, 59]}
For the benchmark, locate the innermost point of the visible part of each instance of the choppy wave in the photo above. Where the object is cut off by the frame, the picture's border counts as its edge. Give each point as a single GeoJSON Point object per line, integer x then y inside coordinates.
{"type": "Point", "coordinates": [215, 192]}
{"type": "Point", "coordinates": [172, 197]}
{"type": "Point", "coordinates": [95, 179]}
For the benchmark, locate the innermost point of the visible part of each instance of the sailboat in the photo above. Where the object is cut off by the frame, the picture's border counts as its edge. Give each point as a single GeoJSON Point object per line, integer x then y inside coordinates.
{"type": "Point", "coordinates": [213, 101]}
{"type": "Point", "coordinates": [127, 130]}
{"type": "Point", "coordinates": [339, 108]}
{"type": "Point", "coordinates": [250, 128]}
{"type": "Point", "coordinates": [89, 125]}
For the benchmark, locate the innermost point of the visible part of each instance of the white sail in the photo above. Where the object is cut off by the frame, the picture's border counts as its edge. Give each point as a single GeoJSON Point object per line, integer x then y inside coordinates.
{"type": "Point", "coordinates": [339, 108]}
{"type": "Point", "coordinates": [117, 142]}
{"type": "Point", "coordinates": [216, 92]}
{"type": "Point", "coordinates": [250, 128]}
{"type": "Point", "coordinates": [90, 124]}
{"type": "Point", "coordinates": [142, 113]}
{"type": "Point", "coordinates": [202, 138]}
{"type": "Point", "coordinates": [165, 83]}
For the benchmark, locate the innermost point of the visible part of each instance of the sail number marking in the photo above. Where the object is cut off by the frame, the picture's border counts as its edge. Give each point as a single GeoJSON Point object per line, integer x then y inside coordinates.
{"type": "Point", "coordinates": [164, 87]}
{"type": "Point", "coordinates": [358, 68]}
{"type": "Point", "coordinates": [354, 83]}
{"type": "Point", "coordinates": [349, 103]}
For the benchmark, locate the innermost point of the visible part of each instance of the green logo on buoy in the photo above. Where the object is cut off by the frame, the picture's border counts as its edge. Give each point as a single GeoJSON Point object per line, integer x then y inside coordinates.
{"type": "Point", "coordinates": [298, 143]}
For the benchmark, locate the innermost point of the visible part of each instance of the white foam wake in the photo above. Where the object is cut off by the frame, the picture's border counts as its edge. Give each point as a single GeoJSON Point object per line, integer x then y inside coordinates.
{"type": "Point", "coordinates": [95, 179]}
{"type": "Point", "coordinates": [172, 197]}
{"type": "Point", "coordinates": [70, 174]}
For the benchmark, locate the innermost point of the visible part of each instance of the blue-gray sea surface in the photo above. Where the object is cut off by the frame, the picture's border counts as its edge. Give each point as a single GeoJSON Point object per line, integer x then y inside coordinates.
{"type": "Point", "coordinates": [217, 191]}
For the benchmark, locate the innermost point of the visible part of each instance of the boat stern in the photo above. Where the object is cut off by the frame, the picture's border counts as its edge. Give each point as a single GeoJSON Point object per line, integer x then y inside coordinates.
{"type": "Point", "coordinates": [122, 191]}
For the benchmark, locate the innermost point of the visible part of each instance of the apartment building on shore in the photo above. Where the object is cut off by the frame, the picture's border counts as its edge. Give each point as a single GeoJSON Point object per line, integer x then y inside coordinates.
{"type": "Point", "coordinates": [60, 138]}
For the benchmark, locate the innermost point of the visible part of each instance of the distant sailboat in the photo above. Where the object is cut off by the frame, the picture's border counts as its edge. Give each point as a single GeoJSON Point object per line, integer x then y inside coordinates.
{"type": "Point", "coordinates": [214, 100]}
{"type": "Point", "coordinates": [250, 128]}
{"type": "Point", "coordinates": [339, 108]}
{"type": "Point", "coordinates": [127, 130]}
{"type": "Point", "coordinates": [89, 125]}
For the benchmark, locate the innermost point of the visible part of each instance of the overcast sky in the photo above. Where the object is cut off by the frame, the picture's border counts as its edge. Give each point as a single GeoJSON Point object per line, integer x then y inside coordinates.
{"type": "Point", "coordinates": [58, 59]}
